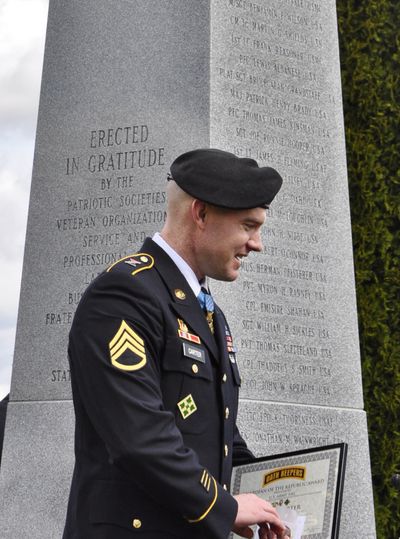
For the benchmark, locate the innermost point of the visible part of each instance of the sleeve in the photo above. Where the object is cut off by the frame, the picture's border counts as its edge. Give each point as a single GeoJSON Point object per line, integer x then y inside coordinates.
{"type": "Point", "coordinates": [241, 453]}
{"type": "Point", "coordinates": [115, 344]}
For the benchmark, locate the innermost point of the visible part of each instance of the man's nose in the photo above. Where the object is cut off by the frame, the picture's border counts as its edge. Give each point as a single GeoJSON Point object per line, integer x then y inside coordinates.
{"type": "Point", "coordinates": [255, 242]}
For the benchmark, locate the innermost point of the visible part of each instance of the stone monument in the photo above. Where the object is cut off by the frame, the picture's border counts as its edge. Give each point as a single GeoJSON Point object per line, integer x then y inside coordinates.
{"type": "Point", "coordinates": [127, 86]}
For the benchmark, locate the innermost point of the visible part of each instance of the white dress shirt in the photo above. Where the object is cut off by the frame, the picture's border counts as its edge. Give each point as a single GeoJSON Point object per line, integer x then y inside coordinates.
{"type": "Point", "coordinates": [183, 266]}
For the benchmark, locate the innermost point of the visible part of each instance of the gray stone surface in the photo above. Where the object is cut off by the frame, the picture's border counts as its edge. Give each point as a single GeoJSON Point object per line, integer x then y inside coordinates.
{"type": "Point", "coordinates": [126, 87]}
{"type": "Point", "coordinates": [276, 96]}
{"type": "Point", "coordinates": [36, 469]}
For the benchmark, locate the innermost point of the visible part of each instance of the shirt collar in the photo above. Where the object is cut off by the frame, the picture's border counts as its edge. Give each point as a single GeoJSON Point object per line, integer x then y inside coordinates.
{"type": "Point", "coordinates": [183, 266]}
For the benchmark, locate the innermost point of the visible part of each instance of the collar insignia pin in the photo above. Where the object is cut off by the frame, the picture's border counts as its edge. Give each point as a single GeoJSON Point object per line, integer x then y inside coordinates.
{"type": "Point", "coordinates": [180, 294]}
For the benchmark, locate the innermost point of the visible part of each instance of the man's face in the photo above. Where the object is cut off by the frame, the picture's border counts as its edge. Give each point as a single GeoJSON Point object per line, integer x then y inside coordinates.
{"type": "Point", "coordinates": [226, 238]}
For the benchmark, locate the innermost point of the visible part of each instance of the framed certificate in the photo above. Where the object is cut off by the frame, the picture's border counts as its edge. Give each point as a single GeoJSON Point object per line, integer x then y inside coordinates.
{"type": "Point", "coordinates": [308, 482]}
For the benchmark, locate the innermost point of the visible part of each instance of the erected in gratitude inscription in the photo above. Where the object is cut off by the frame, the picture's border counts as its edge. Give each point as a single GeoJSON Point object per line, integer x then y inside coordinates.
{"type": "Point", "coordinates": [110, 196]}
{"type": "Point", "coordinates": [114, 218]}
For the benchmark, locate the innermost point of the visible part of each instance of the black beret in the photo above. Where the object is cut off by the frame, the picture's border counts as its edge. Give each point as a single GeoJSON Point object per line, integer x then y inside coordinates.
{"type": "Point", "coordinates": [222, 179]}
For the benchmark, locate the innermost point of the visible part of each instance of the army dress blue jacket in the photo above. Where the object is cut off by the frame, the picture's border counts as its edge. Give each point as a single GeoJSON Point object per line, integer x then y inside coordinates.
{"type": "Point", "coordinates": [155, 396]}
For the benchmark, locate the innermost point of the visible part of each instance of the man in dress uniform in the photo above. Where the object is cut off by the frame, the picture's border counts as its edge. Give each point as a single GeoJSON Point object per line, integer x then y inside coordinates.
{"type": "Point", "coordinates": [154, 374]}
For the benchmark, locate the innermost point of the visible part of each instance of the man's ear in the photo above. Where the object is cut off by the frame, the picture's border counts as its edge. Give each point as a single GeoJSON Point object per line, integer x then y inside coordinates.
{"type": "Point", "coordinates": [199, 212]}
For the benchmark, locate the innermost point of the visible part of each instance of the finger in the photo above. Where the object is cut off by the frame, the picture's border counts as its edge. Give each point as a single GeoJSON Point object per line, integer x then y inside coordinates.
{"type": "Point", "coordinates": [286, 534]}
{"type": "Point", "coordinates": [265, 531]}
{"type": "Point", "coordinates": [272, 516]}
{"type": "Point", "coordinates": [271, 535]}
{"type": "Point", "coordinates": [244, 532]}
{"type": "Point", "coordinates": [276, 525]}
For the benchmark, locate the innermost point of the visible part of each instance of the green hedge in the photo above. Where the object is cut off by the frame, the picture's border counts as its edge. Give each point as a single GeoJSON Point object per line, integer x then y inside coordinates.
{"type": "Point", "coordinates": [369, 46]}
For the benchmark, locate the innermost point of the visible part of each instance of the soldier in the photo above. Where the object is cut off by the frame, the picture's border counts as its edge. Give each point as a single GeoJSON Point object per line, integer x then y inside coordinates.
{"type": "Point", "coordinates": [154, 374]}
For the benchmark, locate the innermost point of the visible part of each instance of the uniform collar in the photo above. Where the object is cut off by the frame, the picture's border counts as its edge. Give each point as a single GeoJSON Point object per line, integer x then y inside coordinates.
{"type": "Point", "coordinates": [184, 301]}
{"type": "Point", "coordinates": [183, 266]}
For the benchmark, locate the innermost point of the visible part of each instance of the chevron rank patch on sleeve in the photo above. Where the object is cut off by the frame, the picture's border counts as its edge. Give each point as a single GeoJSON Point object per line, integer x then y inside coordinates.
{"type": "Point", "coordinates": [127, 351]}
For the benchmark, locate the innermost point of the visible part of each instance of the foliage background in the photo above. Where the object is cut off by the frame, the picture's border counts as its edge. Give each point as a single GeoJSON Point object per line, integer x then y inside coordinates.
{"type": "Point", "coordinates": [369, 47]}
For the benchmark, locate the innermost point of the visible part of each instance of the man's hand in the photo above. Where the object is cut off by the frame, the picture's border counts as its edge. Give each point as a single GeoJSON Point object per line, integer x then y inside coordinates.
{"type": "Point", "coordinates": [254, 510]}
{"type": "Point", "coordinates": [266, 532]}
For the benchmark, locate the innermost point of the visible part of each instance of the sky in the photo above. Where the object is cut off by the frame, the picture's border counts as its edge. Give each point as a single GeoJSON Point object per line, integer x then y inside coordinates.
{"type": "Point", "coordinates": [22, 35]}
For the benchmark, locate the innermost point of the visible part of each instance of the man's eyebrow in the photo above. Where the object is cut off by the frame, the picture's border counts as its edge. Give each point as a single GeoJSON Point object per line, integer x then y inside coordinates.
{"type": "Point", "coordinates": [253, 221]}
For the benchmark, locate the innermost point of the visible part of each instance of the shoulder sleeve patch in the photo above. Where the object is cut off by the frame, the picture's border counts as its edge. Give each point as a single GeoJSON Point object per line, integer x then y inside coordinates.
{"type": "Point", "coordinates": [127, 351]}
{"type": "Point", "coordinates": [138, 261]}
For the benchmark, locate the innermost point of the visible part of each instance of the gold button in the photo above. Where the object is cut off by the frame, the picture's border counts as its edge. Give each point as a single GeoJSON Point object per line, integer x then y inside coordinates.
{"type": "Point", "coordinates": [195, 368]}
{"type": "Point", "coordinates": [136, 523]}
{"type": "Point", "coordinates": [224, 378]}
{"type": "Point", "coordinates": [226, 413]}
{"type": "Point", "coordinates": [226, 450]}
{"type": "Point", "coordinates": [225, 487]}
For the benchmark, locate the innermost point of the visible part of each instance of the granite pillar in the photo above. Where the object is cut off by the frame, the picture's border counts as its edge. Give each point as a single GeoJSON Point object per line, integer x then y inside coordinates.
{"type": "Point", "coordinates": [126, 87]}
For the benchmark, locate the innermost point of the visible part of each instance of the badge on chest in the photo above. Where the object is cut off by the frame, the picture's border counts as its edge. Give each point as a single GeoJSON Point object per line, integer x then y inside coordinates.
{"type": "Point", "coordinates": [184, 333]}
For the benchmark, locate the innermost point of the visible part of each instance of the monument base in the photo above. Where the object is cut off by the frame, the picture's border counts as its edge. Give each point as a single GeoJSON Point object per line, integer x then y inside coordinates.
{"type": "Point", "coordinates": [38, 459]}
{"type": "Point", "coordinates": [36, 469]}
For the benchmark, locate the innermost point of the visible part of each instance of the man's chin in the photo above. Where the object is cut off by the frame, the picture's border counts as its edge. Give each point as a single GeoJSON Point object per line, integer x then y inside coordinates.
{"type": "Point", "coordinates": [229, 277]}
{"type": "Point", "coordinates": [228, 273]}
